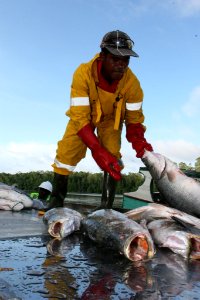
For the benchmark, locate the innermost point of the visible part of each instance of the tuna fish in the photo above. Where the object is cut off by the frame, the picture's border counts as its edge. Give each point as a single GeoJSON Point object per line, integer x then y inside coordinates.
{"type": "Point", "coordinates": [167, 233]}
{"type": "Point", "coordinates": [62, 221]}
{"type": "Point", "coordinates": [114, 230]}
{"type": "Point", "coordinates": [14, 199]}
{"type": "Point", "coordinates": [179, 191]}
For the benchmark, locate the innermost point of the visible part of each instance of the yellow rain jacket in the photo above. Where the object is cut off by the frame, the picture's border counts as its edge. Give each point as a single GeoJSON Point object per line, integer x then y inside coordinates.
{"type": "Point", "coordinates": [106, 111]}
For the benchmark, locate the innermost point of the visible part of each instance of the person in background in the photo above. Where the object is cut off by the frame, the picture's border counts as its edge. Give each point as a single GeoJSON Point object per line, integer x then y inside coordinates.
{"type": "Point", "coordinates": [105, 94]}
{"type": "Point", "coordinates": [41, 199]}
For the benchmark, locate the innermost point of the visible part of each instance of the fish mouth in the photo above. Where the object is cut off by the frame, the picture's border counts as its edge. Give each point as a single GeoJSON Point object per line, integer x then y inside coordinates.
{"type": "Point", "coordinates": [55, 229]}
{"type": "Point", "coordinates": [137, 248]}
{"type": "Point", "coordinates": [155, 163]}
{"type": "Point", "coordinates": [61, 228]}
{"type": "Point", "coordinates": [195, 247]}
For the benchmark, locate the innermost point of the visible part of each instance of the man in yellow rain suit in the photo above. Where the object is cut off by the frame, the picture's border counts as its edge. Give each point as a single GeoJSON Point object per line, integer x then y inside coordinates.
{"type": "Point", "coordinates": [105, 93]}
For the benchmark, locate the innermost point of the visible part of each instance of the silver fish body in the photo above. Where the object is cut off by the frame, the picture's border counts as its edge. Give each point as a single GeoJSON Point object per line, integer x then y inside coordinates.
{"type": "Point", "coordinates": [62, 221]}
{"type": "Point", "coordinates": [154, 211]}
{"type": "Point", "coordinates": [169, 234]}
{"type": "Point", "coordinates": [14, 199]}
{"type": "Point", "coordinates": [114, 230]}
{"type": "Point", "coordinates": [179, 191]}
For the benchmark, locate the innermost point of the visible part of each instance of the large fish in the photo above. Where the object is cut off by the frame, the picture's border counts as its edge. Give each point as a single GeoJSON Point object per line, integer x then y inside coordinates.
{"type": "Point", "coordinates": [167, 233]}
{"type": "Point", "coordinates": [179, 191]}
{"type": "Point", "coordinates": [155, 211]}
{"type": "Point", "coordinates": [14, 199]}
{"type": "Point", "coordinates": [62, 221]}
{"type": "Point", "coordinates": [114, 230]}
{"type": "Point", "coordinates": [170, 228]}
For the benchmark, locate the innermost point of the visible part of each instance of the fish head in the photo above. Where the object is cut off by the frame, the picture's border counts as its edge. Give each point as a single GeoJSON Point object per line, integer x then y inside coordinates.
{"type": "Point", "coordinates": [155, 163]}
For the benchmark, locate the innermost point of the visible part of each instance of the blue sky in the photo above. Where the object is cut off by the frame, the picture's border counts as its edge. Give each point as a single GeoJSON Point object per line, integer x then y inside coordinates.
{"type": "Point", "coordinates": [43, 41]}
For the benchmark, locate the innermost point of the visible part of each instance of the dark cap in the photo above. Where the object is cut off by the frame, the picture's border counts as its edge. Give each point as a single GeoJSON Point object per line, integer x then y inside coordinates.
{"type": "Point", "coordinates": [118, 43]}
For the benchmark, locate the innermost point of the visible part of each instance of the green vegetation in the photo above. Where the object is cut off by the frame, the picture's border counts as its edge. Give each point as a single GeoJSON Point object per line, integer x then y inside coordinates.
{"type": "Point", "coordinates": [184, 167]}
{"type": "Point", "coordinates": [197, 165]}
{"type": "Point", "coordinates": [79, 182]}
{"type": "Point", "coordinates": [85, 182]}
{"type": "Point", "coordinates": [191, 171]}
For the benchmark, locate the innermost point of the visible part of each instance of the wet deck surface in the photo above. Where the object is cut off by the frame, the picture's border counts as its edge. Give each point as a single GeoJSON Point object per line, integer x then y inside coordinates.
{"type": "Point", "coordinates": [35, 266]}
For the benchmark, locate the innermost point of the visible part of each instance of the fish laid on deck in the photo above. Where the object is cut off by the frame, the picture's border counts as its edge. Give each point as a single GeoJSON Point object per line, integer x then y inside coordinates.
{"type": "Point", "coordinates": [62, 221]}
{"type": "Point", "coordinates": [179, 191]}
{"type": "Point", "coordinates": [154, 211]}
{"type": "Point", "coordinates": [114, 230]}
{"type": "Point", "coordinates": [167, 233]}
{"type": "Point", "coordinates": [14, 199]}
{"type": "Point", "coordinates": [170, 228]}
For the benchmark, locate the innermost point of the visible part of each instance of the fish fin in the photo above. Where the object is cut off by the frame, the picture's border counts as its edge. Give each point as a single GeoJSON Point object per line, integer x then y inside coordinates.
{"type": "Point", "coordinates": [181, 222]}
{"type": "Point", "coordinates": [187, 226]}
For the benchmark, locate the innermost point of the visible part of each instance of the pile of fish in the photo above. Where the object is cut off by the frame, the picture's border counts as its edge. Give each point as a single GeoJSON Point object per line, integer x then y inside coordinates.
{"type": "Point", "coordinates": [14, 199]}
{"type": "Point", "coordinates": [176, 228]}
{"type": "Point", "coordinates": [106, 227]}
{"type": "Point", "coordinates": [134, 233]}
{"type": "Point", "coordinates": [170, 228]}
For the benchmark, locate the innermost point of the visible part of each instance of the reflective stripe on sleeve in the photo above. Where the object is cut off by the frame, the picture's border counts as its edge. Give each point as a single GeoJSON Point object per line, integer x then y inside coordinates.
{"type": "Point", "coordinates": [80, 101]}
{"type": "Point", "coordinates": [134, 106]}
{"type": "Point", "coordinates": [64, 166]}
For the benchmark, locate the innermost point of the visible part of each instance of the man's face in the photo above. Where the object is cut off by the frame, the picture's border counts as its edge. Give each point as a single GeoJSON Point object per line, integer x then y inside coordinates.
{"type": "Point", "coordinates": [113, 67]}
{"type": "Point", "coordinates": [43, 194]}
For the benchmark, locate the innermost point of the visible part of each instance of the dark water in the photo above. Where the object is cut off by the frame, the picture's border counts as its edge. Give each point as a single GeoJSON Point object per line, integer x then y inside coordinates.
{"type": "Point", "coordinates": [76, 268]}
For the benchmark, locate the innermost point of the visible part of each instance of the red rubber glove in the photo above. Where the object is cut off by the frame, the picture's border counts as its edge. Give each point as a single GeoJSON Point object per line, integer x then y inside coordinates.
{"type": "Point", "coordinates": [135, 135]}
{"type": "Point", "coordinates": [105, 160]}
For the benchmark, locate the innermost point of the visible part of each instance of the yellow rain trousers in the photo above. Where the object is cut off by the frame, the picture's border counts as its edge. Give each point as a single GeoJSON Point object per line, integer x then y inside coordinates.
{"type": "Point", "coordinates": [104, 110]}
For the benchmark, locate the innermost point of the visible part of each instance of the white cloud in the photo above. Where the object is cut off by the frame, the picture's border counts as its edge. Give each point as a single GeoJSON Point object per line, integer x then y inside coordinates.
{"type": "Point", "coordinates": [178, 151]}
{"type": "Point", "coordinates": [192, 106]}
{"type": "Point", "coordinates": [26, 157]}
